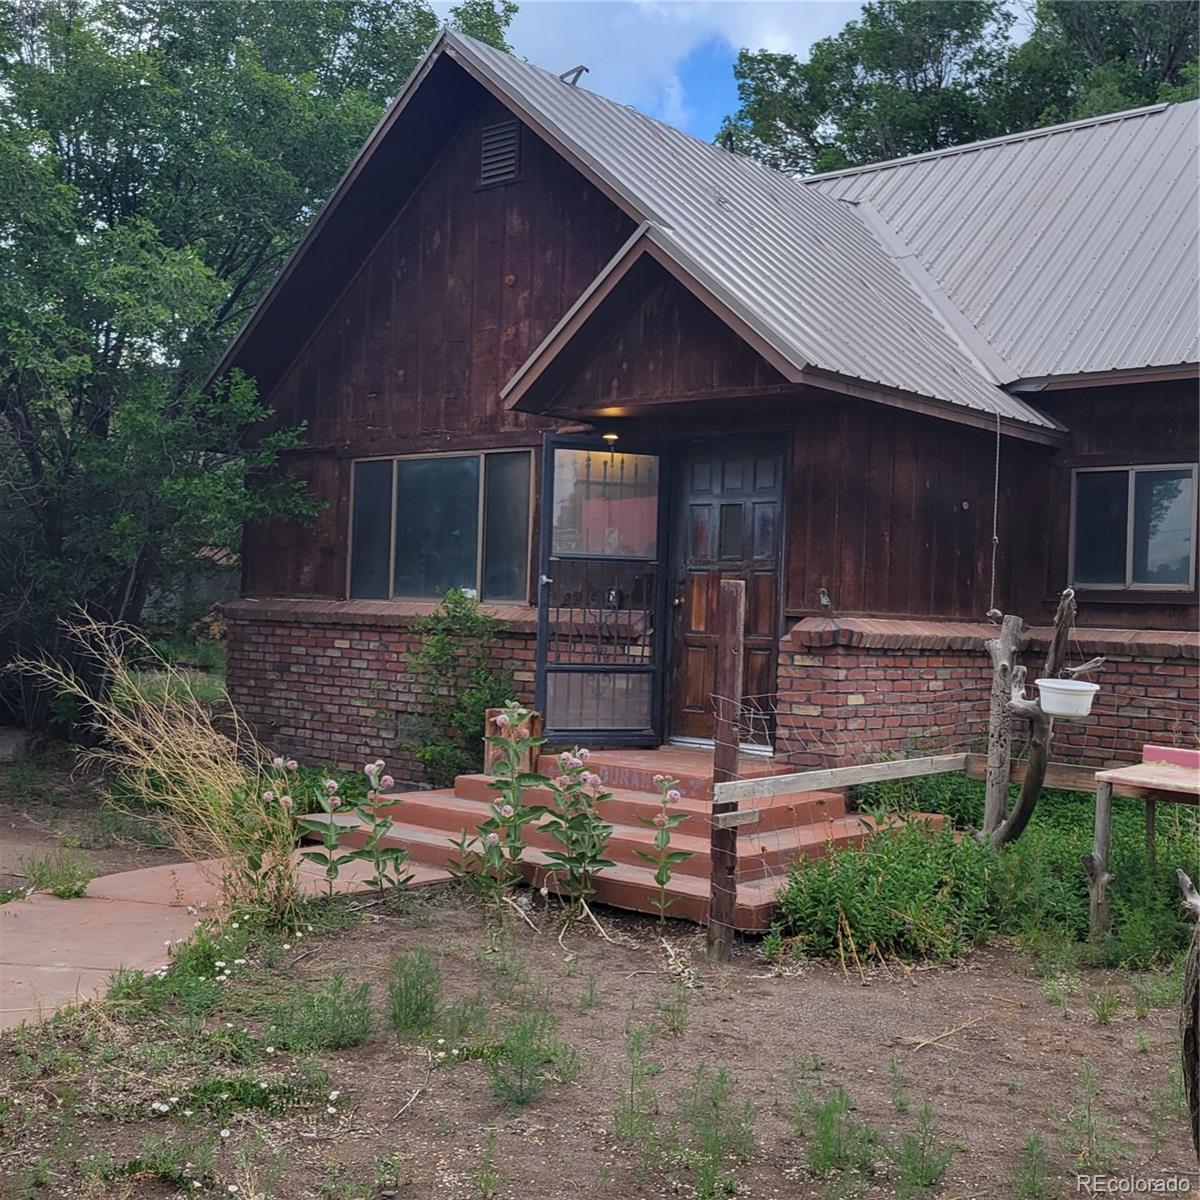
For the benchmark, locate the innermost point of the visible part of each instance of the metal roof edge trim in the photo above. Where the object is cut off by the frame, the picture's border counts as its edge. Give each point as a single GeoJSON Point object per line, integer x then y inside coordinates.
{"type": "Point", "coordinates": [985, 143]}
{"type": "Point", "coordinates": [1050, 433]}
{"type": "Point", "coordinates": [972, 343]}
{"type": "Point", "coordinates": [1113, 378]}
{"type": "Point", "coordinates": [390, 115]}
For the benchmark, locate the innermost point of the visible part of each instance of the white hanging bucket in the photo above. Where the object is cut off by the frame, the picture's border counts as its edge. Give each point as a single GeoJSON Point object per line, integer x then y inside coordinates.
{"type": "Point", "coordinates": [1066, 697]}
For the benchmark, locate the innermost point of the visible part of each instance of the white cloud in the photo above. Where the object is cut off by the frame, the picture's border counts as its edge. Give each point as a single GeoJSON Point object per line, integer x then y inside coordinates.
{"type": "Point", "coordinates": [633, 48]}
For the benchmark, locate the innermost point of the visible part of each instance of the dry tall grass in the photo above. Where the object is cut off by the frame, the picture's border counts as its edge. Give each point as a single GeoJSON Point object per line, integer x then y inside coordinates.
{"type": "Point", "coordinates": [210, 785]}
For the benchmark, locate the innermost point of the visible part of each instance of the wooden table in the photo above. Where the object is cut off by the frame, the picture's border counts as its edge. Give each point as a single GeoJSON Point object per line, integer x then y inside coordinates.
{"type": "Point", "coordinates": [1165, 773]}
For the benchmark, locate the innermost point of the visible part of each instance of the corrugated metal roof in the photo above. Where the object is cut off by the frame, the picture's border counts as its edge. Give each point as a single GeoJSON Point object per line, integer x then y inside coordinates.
{"type": "Point", "coordinates": [802, 269]}
{"type": "Point", "coordinates": [1071, 249]}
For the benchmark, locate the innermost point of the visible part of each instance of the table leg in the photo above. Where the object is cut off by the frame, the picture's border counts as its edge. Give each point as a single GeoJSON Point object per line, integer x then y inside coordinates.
{"type": "Point", "coordinates": [1151, 846]}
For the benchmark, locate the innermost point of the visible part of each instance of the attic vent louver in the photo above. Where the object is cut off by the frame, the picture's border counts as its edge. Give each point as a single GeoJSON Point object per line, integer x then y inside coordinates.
{"type": "Point", "coordinates": [499, 152]}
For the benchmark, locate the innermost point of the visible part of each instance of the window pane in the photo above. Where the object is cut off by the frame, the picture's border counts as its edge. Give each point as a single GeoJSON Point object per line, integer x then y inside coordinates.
{"type": "Point", "coordinates": [605, 503]}
{"type": "Point", "coordinates": [437, 525]}
{"type": "Point", "coordinates": [371, 530]}
{"type": "Point", "coordinates": [1162, 527]}
{"type": "Point", "coordinates": [1101, 498]}
{"type": "Point", "coordinates": [505, 526]}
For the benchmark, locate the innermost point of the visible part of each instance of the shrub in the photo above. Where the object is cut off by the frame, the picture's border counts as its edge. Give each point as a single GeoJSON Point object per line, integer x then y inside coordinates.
{"type": "Point", "coordinates": [518, 1067]}
{"type": "Point", "coordinates": [909, 891]}
{"type": "Point", "coordinates": [328, 1018]}
{"type": "Point", "coordinates": [454, 675]}
{"type": "Point", "coordinates": [413, 993]}
{"type": "Point", "coordinates": [167, 751]}
{"type": "Point", "coordinates": [917, 894]}
{"type": "Point", "coordinates": [712, 1134]}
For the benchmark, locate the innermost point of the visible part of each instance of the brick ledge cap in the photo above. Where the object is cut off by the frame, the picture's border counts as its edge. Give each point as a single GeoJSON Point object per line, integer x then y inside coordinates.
{"type": "Point", "coordinates": [370, 613]}
{"type": "Point", "coordinates": [891, 634]}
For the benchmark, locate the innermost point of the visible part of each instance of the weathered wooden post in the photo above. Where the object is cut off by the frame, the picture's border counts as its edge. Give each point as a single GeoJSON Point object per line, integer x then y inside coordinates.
{"type": "Point", "coordinates": [1003, 652]}
{"type": "Point", "coordinates": [731, 623]}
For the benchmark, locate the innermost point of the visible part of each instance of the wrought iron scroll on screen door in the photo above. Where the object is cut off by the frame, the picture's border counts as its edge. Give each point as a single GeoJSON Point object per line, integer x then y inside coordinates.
{"type": "Point", "coordinates": [602, 590]}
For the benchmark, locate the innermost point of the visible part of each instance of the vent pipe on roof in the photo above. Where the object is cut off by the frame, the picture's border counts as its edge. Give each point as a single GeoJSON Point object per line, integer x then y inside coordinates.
{"type": "Point", "coordinates": [572, 76]}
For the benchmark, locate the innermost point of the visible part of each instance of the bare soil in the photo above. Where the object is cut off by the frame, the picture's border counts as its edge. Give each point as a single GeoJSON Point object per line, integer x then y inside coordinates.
{"type": "Point", "coordinates": [979, 1042]}
{"type": "Point", "coordinates": [45, 807]}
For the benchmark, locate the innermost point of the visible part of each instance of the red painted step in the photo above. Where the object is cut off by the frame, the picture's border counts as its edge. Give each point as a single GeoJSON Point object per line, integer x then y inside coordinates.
{"type": "Point", "coordinates": [626, 806]}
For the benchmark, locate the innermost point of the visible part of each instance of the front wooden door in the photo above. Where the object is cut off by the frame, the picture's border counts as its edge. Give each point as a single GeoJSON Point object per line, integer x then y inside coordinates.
{"type": "Point", "coordinates": [726, 523]}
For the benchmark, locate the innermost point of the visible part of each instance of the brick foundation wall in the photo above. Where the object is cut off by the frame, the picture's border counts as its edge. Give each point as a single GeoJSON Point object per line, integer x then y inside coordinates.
{"type": "Point", "coordinates": [853, 690]}
{"type": "Point", "coordinates": [329, 683]}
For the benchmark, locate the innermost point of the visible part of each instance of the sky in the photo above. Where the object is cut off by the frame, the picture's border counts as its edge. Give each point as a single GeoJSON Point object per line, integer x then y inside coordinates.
{"type": "Point", "coordinates": [672, 59]}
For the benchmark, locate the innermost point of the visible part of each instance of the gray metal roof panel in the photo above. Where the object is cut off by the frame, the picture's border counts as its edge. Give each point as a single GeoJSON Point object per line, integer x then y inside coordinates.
{"type": "Point", "coordinates": [799, 266]}
{"type": "Point", "coordinates": [1072, 249]}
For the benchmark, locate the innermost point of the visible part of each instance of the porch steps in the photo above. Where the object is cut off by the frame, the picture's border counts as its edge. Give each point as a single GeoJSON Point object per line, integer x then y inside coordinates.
{"type": "Point", "coordinates": [428, 823]}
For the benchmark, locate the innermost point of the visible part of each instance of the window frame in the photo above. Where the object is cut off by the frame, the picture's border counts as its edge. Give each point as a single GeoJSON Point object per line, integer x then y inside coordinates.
{"type": "Point", "coordinates": [1132, 470]}
{"type": "Point", "coordinates": [481, 520]}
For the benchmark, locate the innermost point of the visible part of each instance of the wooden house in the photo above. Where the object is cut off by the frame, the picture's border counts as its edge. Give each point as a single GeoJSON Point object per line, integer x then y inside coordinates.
{"type": "Point", "coordinates": [556, 352]}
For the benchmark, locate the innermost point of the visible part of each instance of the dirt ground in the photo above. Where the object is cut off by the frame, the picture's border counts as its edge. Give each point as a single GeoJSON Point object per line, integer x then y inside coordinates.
{"type": "Point", "coordinates": [979, 1042]}
{"type": "Point", "coordinates": [45, 808]}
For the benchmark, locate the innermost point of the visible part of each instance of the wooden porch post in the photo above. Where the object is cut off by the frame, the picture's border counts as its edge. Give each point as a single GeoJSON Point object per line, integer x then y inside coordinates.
{"type": "Point", "coordinates": [731, 624]}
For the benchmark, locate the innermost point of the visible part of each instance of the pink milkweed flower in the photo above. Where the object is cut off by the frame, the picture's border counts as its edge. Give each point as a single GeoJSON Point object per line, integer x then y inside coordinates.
{"type": "Point", "coordinates": [502, 721]}
{"type": "Point", "coordinates": [592, 780]}
{"type": "Point", "coordinates": [331, 786]}
{"type": "Point", "coordinates": [492, 839]}
{"type": "Point", "coordinates": [674, 796]}
{"type": "Point", "coordinates": [584, 754]}
{"type": "Point", "coordinates": [268, 797]}
{"type": "Point", "coordinates": [660, 819]}
{"type": "Point", "coordinates": [292, 765]}
{"type": "Point", "coordinates": [277, 763]}
{"type": "Point", "coordinates": [370, 769]}
{"type": "Point", "coordinates": [286, 801]}
{"type": "Point", "coordinates": [562, 781]}
{"type": "Point", "coordinates": [386, 782]}
{"type": "Point", "coordinates": [336, 802]}
{"type": "Point", "coordinates": [506, 811]}
{"type": "Point", "coordinates": [659, 780]}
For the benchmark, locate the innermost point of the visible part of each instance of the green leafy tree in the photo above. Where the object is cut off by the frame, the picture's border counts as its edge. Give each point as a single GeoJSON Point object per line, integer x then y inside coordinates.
{"type": "Point", "coordinates": [917, 75]}
{"type": "Point", "coordinates": [158, 160]}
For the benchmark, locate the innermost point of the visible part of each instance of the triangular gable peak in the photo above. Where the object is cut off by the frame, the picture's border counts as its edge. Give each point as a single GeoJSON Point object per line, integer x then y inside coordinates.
{"type": "Point", "coordinates": [796, 275]}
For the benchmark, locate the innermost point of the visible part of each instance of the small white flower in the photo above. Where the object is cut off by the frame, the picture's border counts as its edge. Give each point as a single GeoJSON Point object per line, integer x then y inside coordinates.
{"type": "Point", "coordinates": [330, 1109]}
{"type": "Point", "coordinates": [263, 1086]}
{"type": "Point", "coordinates": [173, 1100]}
{"type": "Point", "coordinates": [334, 1095]}
{"type": "Point", "coordinates": [187, 1112]}
{"type": "Point", "coordinates": [237, 925]}
{"type": "Point", "coordinates": [233, 1187]}
{"type": "Point", "coordinates": [239, 962]}
{"type": "Point", "coordinates": [441, 1041]}
{"type": "Point", "coordinates": [224, 1132]}
{"type": "Point", "coordinates": [270, 1049]}
{"type": "Point", "coordinates": [195, 1183]}
{"type": "Point", "coordinates": [219, 963]}
{"type": "Point", "coordinates": [287, 945]}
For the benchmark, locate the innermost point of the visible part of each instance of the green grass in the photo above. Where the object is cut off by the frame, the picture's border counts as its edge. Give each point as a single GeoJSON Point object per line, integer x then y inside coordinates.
{"type": "Point", "coordinates": [923, 895]}
{"type": "Point", "coordinates": [64, 874]}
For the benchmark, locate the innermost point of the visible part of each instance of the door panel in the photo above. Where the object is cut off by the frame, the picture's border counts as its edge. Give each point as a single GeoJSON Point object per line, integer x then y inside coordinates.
{"type": "Point", "coordinates": [727, 519]}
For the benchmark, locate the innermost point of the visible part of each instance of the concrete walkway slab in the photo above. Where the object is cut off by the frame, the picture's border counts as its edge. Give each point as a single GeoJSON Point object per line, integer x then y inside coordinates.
{"type": "Point", "coordinates": [57, 952]}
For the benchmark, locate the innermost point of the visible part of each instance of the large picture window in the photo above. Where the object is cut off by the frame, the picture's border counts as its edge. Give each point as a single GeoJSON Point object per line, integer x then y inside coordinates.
{"type": "Point", "coordinates": [1134, 527]}
{"type": "Point", "coordinates": [420, 526]}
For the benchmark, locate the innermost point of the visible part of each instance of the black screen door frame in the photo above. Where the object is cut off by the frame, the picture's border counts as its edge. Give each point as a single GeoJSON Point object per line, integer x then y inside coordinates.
{"type": "Point", "coordinates": [544, 666]}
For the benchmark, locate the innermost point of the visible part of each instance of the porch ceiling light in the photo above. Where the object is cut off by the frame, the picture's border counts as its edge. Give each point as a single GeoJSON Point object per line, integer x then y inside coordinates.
{"type": "Point", "coordinates": [610, 436]}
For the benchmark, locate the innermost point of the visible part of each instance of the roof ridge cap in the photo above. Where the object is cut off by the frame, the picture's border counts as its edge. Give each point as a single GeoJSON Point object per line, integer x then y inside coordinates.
{"type": "Point", "coordinates": [1002, 139]}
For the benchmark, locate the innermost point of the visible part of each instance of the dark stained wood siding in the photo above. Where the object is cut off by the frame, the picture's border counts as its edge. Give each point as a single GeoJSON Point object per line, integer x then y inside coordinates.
{"type": "Point", "coordinates": [891, 513]}
{"type": "Point", "coordinates": [876, 510]}
{"type": "Point", "coordinates": [1121, 426]}
{"type": "Point", "coordinates": [668, 346]}
{"type": "Point", "coordinates": [412, 356]}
